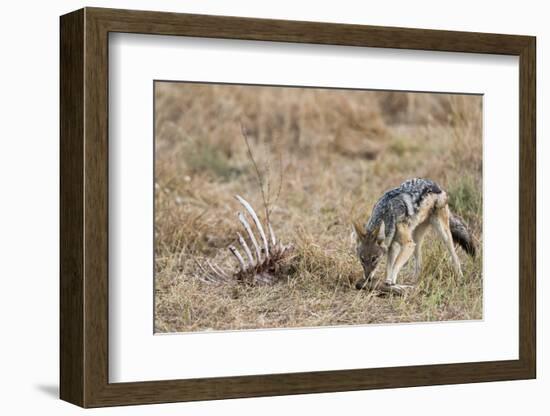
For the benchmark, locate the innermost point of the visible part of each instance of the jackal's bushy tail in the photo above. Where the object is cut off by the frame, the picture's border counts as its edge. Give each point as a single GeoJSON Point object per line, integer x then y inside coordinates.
{"type": "Point", "coordinates": [461, 234]}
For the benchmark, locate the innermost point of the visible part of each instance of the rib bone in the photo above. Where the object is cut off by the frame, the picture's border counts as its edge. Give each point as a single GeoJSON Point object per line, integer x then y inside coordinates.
{"type": "Point", "coordinates": [238, 256]}
{"type": "Point", "coordinates": [246, 226]}
{"type": "Point", "coordinates": [252, 213]}
{"type": "Point", "coordinates": [252, 270]}
{"type": "Point", "coordinates": [207, 275]}
{"type": "Point", "coordinates": [220, 274]}
{"type": "Point", "coordinates": [246, 250]}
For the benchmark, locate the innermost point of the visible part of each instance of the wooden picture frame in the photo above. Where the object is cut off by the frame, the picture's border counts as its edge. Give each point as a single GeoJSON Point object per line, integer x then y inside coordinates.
{"type": "Point", "coordinates": [84, 207]}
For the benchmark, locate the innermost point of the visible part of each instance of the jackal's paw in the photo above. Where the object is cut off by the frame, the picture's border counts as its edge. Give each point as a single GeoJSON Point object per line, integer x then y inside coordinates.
{"type": "Point", "coordinates": [394, 289]}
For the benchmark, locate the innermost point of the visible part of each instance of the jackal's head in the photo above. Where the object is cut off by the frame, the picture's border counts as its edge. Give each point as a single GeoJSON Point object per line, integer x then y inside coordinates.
{"type": "Point", "coordinates": [369, 251]}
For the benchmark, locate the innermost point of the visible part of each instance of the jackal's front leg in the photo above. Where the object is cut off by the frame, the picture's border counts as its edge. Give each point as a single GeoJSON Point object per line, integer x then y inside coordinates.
{"type": "Point", "coordinates": [405, 242]}
{"type": "Point", "coordinates": [418, 237]}
{"type": "Point", "coordinates": [403, 256]}
{"type": "Point", "coordinates": [393, 252]}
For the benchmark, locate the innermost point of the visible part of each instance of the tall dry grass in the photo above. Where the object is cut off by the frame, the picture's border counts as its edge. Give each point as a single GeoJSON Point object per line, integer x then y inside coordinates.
{"type": "Point", "coordinates": [340, 150]}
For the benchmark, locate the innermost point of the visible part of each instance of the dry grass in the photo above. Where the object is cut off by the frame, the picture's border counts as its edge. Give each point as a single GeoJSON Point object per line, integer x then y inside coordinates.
{"type": "Point", "coordinates": [340, 151]}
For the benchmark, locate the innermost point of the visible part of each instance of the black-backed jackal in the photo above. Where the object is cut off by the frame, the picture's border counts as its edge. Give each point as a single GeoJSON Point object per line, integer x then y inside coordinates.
{"type": "Point", "coordinates": [397, 227]}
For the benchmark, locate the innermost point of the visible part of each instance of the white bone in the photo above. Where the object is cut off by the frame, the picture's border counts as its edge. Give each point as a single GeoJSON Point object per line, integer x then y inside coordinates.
{"type": "Point", "coordinates": [246, 226]}
{"type": "Point", "coordinates": [252, 213]}
{"type": "Point", "coordinates": [207, 274]}
{"type": "Point", "coordinates": [218, 273]}
{"type": "Point", "coordinates": [243, 244]}
{"type": "Point", "coordinates": [238, 256]}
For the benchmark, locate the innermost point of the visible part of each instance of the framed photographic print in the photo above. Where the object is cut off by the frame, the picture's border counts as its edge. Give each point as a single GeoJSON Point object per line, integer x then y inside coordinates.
{"type": "Point", "coordinates": [255, 207]}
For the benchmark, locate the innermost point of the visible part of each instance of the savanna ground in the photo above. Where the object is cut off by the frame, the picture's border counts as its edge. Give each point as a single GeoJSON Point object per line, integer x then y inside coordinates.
{"type": "Point", "coordinates": [336, 152]}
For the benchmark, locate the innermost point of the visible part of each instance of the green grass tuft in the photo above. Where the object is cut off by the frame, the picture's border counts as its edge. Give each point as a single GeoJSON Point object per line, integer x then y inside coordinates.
{"type": "Point", "coordinates": [205, 157]}
{"type": "Point", "coordinates": [465, 198]}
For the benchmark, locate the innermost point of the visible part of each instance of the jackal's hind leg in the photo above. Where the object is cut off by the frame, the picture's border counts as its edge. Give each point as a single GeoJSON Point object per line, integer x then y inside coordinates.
{"type": "Point", "coordinates": [441, 223]}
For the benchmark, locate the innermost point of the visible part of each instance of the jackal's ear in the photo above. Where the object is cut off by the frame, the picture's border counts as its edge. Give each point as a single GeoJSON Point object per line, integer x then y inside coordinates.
{"type": "Point", "coordinates": [359, 231]}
